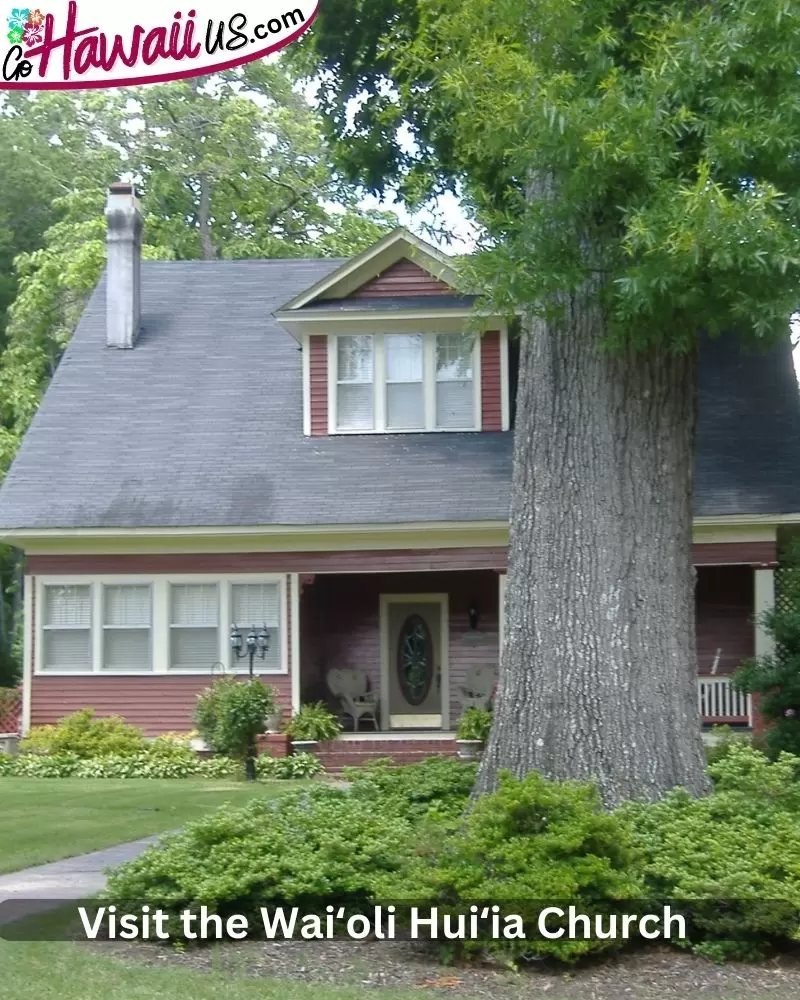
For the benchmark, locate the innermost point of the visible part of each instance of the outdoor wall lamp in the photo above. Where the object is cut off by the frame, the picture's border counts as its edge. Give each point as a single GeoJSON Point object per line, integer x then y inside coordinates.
{"type": "Point", "coordinates": [256, 644]}
{"type": "Point", "coordinates": [473, 614]}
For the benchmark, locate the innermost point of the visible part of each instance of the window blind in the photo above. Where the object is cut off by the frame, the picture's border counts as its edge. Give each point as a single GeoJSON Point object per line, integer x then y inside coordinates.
{"type": "Point", "coordinates": [405, 399]}
{"type": "Point", "coordinates": [127, 613]}
{"type": "Point", "coordinates": [257, 604]}
{"type": "Point", "coordinates": [67, 630]}
{"type": "Point", "coordinates": [355, 398]}
{"type": "Point", "coordinates": [194, 626]}
{"type": "Point", "coordinates": [455, 395]}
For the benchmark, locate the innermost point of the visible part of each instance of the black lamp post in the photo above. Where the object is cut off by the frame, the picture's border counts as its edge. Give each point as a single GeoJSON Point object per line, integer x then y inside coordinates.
{"type": "Point", "coordinates": [255, 645]}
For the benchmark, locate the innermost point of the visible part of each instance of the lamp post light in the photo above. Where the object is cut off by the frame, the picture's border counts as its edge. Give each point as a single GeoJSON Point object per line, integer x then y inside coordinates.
{"type": "Point", "coordinates": [256, 644]}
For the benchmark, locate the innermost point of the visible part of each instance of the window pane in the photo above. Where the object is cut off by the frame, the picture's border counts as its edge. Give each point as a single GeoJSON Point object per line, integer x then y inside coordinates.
{"type": "Point", "coordinates": [354, 359]}
{"type": "Point", "coordinates": [405, 405]}
{"type": "Point", "coordinates": [68, 607]}
{"type": "Point", "coordinates": [195, 604]}
{"type": "Point", "coordinates": [403, 357]}
{"type": "Point", "coordinates": [127, 605]}
{"type": "Point", "coordinates": [255, 604]}
{"type": "Point", "coordinates": [354, 408]}
{"type": "Point", "coordinates": [454, 357]}
{"type": "Point", "coordinates": [67, 649]}
{"type": "Point", "coordinates": [126, 649]}
{"type": "Point", "coordinates": [455, 405]}
{"type": "Point", "coordinates": [193, 648]}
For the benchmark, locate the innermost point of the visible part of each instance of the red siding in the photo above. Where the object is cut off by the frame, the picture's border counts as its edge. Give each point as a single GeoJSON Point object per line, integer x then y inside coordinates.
{"type": "Point", "coordinates": [318, 384]}
{"type": "Point", "coordinates": [273, 562]}
{"type": "Point", "coordinates": [735, 553]}
{"type": "Point", "coordinates": [491, 392]}
{"type": "Point", "coordinates": [157, 703]}
{"type": "Point", "coordinates": [724, 601]}
{"type": "Point", "coordinates": [367, 561]}
{"type": "Point", "coordinates": [402, 278]}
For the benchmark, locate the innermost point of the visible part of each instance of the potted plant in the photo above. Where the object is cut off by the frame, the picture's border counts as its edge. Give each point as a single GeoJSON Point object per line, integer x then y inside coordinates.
{"type": "Point", "coordinates": [312, 724]}
{"type": "Point", "coordinates": [473, 732]}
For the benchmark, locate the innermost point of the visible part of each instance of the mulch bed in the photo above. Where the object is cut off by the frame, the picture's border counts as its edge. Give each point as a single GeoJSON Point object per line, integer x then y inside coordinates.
{"type": "Point", "coordinates": [650, 974]}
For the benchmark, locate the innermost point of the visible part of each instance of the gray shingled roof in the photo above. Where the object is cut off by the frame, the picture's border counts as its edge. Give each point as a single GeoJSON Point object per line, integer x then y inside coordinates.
{"type": "Point", "coordinates": [201, 424]}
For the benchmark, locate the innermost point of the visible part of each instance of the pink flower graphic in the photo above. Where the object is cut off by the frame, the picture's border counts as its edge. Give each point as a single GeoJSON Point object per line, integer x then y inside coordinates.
{"type": "Point", "coordinates": [33, 34]}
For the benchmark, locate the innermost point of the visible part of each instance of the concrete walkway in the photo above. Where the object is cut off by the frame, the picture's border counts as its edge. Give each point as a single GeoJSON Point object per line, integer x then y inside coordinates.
{"type": "Point", "coordinates": [72, 878]}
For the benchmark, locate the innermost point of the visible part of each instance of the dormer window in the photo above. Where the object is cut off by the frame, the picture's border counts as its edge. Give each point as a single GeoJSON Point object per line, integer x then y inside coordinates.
{"type": "Point", "coordinates": [403, 382]}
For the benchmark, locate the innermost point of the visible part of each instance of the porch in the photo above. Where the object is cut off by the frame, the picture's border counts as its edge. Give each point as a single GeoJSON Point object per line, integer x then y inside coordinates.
{"type": "Point", "coordinates": [362, 622]}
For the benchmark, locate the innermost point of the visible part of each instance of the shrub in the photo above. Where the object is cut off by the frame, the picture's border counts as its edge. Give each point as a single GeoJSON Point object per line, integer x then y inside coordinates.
{"type": "Point", "coordinates": [723, 739]}
{"type": "Point", "coordinates": [306, 848]}
{"type": "Point", "coordinates": [84, 736]}
{"type": "Point", "coordinates": [7, 764]}
{"type": "Point", "coordinates": [313, 722]}
{"type": "Point", "coordinates": [231, 713]}
{"type": "Point", "coordinates": [530, 843]}
{"type": "Point", "coordinates": [474, 724]}
{"type": "Point", "coordinates": [299, 765]}
{"type": "Point", "coordinates": [219, 767]}
{"type": "Point", "coordinates": [733, 858]}
{"type": "Point", "coordinates": [777, 677]}
{"type": "Point", "coordinates": [56, 765]}
{"type": "Point", "coordinates": [437, 788]}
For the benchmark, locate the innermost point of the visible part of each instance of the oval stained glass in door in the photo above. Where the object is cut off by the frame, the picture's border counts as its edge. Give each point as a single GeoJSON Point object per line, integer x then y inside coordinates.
{"type": "Point", "coordinates": [415, 660]}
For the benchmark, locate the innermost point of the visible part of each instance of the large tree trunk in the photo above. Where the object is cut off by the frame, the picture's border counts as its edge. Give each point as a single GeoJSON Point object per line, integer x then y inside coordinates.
{"type": "Point", "coordinates": [598, 673]}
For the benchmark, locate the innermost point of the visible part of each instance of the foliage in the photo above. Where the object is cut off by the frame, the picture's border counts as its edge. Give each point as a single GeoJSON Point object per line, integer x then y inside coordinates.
{"type": "Point", "coordinates": [732, 858]}
{"type": "Point", "coordinates": [722, 739]}
{"type": "Point", "coordinates": [314, 846]}
{"type": "Point", "coordinates": [299, 765]}
{"type": "Point", "coordinates": [664, 172]}
{"type": "Point", "coordinates": [474, 724]}
{"type": "Point", "coordinates": [83, 735]}
{"type": "Point", "coordinates": [313, 722]}
{"type": "Point", "coordinates": [437, 788]}
{"type": "Point", "coordinates": [45, 765]}
{"type": "Point", "coordinates": [231, 713]}
{"type": "Point", "coordinates": [776, 677]}
{"type": "Point", "coordinates": [529, 843]}
{"type": "Point", "coordinates": [7, 764]}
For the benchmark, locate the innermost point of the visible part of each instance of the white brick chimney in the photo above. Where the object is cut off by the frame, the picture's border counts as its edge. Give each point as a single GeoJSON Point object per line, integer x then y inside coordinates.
{"type": "Point", "coordinates": [123, 279]}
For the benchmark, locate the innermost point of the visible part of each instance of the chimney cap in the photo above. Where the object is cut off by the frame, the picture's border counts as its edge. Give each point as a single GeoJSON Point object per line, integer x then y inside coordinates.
{"type": "Point", "coordinates": [122, 187]}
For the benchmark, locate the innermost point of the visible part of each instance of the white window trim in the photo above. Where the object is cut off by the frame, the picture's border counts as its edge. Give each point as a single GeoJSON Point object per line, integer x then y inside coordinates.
{"type": "Point", "coordinates": [160, 623]}
{"type": "Point", "coordinates": [379, 385]}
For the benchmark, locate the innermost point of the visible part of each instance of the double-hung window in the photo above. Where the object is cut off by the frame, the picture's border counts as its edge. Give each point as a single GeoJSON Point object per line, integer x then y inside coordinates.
{"type": "Point", "coordinates": [257, 606]}
{"type": "Point", "coordinates": [194, 626]}
{"type": "Point", "coordinates": [394, 382]}
{"type": "Point", "coordinates": [67, 628]}
{"type": "Point", "coordinates": [355, 377]}
{"type": "Point", "coordinates": [127, 623]}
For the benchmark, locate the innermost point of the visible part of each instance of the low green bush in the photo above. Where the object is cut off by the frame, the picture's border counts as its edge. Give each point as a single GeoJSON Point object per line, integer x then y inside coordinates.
{"type": "Point", "coordinates": [733, 858]}
{"type": "Point", "coordinates": [231, 713]}
{"type": "Point", "coordinates": [437, 788]}
{"type": "Point", "coordinates": [84, 735]}
{"type": "Point", "coordinates": [474, 724]}
{"type": "Point", "coordinates": [723, 738]}
{"type": "Point", "coordinates": [530, 843]}
{"type": "Point", "coordinates": [306, 848]}
{"type": "Point", "coordinates": [54, 765]}
{"type": "Point", "coordinates": [313, 722]}
{"type": "Point", "coordinates": [299, 765]}
{"type": "Point", "coordinates": [7, 763]}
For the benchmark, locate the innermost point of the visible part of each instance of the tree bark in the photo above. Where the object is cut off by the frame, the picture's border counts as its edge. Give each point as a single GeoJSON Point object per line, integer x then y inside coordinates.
{"type": "Point", "coordinates": [204, 220]}
{"type": "Point", "coordinates": [598, 672]}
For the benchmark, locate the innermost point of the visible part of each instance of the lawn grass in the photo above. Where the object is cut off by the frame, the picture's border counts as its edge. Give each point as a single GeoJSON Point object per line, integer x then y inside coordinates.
{"type": "Point", "coordinates": [39, 970]}
{"type": "Point", "coordinates": [46, 819]}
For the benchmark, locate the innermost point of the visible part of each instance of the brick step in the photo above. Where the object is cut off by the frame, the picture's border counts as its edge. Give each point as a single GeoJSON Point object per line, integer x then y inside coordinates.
{"type": "Point", "coordinates": [334, 760]}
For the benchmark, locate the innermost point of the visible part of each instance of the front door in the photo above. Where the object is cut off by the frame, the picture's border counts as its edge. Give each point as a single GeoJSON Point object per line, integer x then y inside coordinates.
{"type": "Point", "coordinates": [413, 663]}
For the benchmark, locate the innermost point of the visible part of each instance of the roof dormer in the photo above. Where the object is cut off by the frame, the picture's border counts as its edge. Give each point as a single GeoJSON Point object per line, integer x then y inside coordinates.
{"type": "Point", "coordinates": [392, 345]}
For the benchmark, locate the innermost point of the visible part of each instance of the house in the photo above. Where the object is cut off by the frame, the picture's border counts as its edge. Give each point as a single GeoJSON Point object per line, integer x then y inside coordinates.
{"type": "Point", "coordinates": [321, 450]}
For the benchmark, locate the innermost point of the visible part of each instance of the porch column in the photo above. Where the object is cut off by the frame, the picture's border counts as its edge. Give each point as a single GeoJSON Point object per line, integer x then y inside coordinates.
{"type": "Point", "coordinates": [763, 600]}
{"type": "Point", "coordinates": [294, 638]}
